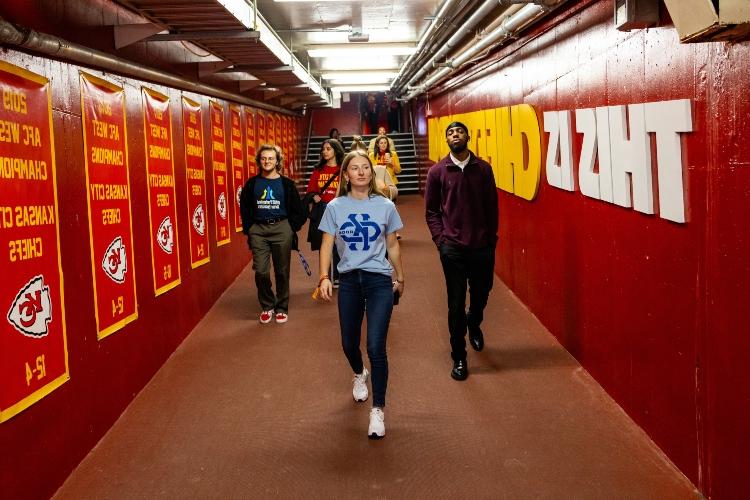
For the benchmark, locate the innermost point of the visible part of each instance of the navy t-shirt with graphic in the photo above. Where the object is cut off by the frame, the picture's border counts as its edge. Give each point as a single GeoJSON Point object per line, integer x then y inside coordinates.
{"type": "Point", "coordinates": [360, 228]}
{"type": "Point", "coordinates": [269, 199]}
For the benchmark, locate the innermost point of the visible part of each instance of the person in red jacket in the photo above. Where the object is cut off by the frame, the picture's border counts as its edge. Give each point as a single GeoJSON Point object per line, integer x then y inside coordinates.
{"type": "Point", "coordinates": [461, 212]}
{"type": "Point", "coordinates": [331, 158]}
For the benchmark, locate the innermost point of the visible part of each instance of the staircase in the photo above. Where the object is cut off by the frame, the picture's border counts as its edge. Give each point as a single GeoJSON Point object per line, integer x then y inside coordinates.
{"type": "Point", "coordinates": [404, 142]}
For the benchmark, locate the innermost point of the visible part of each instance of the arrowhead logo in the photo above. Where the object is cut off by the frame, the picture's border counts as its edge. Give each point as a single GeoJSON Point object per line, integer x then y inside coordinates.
{"type": "Point", "coordinates": [115, 263]}
{"type": "Point", "coordinates": [199, 220]}
{"type": "Point", "coordinates": [165, 235]}
{"type": "Point", "coordinates": [32, 309]}
{"type": "Point", "coordinates": [222, 205]}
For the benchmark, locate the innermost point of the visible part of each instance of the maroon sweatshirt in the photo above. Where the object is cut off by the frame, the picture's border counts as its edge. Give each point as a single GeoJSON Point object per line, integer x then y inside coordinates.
{"type": "Point", "coordinates": [461, 206]}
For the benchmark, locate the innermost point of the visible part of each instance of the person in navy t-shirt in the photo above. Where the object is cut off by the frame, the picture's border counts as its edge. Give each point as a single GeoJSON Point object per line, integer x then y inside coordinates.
{"type": "Point", "coordinates": [271, 215]}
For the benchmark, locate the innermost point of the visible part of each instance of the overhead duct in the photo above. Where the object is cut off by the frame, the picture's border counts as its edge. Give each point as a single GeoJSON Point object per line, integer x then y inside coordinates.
{"type": "Point", "coordinates": [62, 49]}
{"type": "Point", "coordinates": [506, 29]}
{"type": "Point", "coordinates": [477, 17]}
{"type": "Point", "coordinates": [406, 68]}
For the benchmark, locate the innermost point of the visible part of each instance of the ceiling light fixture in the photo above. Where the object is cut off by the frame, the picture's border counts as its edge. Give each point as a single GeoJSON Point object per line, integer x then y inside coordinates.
{"type": "Point", "coordinates": [333, 75]}
{"type": "Point", "coordinates": [360, 51]}
{"type": "Point", "coordinates": [360, 88]}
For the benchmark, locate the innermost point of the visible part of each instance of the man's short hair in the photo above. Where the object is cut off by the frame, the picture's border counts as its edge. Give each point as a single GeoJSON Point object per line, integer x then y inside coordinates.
{"type": "Point", "coordinates": [456, 124]}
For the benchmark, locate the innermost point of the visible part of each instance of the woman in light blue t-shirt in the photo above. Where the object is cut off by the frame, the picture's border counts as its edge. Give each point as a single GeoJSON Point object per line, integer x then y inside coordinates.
{"type": "Point", "coordinates": [362, 223]}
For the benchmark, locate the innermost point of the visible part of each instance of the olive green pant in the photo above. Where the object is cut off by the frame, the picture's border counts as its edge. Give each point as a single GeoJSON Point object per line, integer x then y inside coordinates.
{"type": "Point", "coordinates": [272, 242]}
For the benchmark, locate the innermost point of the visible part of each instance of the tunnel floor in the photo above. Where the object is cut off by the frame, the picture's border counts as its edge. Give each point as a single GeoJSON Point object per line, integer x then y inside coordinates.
{"type": "Point", "coordinates": [245, 410]}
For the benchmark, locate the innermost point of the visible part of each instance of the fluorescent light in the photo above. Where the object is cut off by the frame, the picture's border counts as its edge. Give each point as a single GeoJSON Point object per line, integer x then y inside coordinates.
{"type": "Point", "coordinates": [359, 51]}
{"type": "Point", "coordinates": [355, 80]}
{"type": "Point", "coordinates": [335, 75]}
{"type": "Point", "coordinates": [360, 88]}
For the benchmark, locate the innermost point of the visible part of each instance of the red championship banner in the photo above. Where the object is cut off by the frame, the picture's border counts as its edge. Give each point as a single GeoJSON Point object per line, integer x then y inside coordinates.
{"type": "Point", "coordinates": [270, 130]}
{"type": "Point", "coordinates": [162, 210]}
{"type": "Point", "coordinates": [108, 194]}
{"type": "Point", "coordinates": [219, 160]}
{"type": "Point", "coordinates": [195, 171]}
{"type": "Point", "coordinates": [33, 348]}
{"type": "Point", "coordinates": [238, 162]}
{"type": "Point", "coordinates": [279, 127]}
{"type": "Point", "coordinates": [250, 133]}
{"type": "Point", "coordinates": [260, 119]}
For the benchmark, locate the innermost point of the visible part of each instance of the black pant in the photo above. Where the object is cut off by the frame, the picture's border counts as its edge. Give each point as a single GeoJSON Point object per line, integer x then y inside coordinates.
{"type": "Point", "coordinates": [462, 266]}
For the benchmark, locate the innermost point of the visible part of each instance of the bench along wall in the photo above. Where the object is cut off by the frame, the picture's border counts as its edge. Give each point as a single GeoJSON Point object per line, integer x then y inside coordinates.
{"type": "Point", "coordinates": [621, 161]}
{"type": "Point", "coordinates": [164, 137]}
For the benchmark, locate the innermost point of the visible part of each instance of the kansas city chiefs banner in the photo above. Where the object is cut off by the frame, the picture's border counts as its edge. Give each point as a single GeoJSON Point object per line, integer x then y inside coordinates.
{"type": "Point", "coordinates": [270, 130]}
{"type": "Point", "coordinates": [219, 160]}
{"type": "Point", "coordinates": [250, 133]}
{"type": "Point", "coordinates": [157, 129]}
{"type": "Point", "coordinates": [108, 195]}
{"type": "Point", "coordinates": [33, 352]}
{"type": "Point", "coordinates": [195, 172]}
{"type": "Point", "coordinates": [238, 162]}
{"type": "Point", "coordinates": [260, 120]}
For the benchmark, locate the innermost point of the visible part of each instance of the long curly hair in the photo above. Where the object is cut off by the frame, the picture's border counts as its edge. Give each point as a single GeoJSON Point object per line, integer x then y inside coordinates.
{"type": "Point", "coordinates": [338, 150]}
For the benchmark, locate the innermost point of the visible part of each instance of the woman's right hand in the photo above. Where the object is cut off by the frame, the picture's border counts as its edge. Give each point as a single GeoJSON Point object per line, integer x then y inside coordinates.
{"type": "Point", "coordinates": [316, 198]}
{"type": "Point", "coordinates": [326, 289]}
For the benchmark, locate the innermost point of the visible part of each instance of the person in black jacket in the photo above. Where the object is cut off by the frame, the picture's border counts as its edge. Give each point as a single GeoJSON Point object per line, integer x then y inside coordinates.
{"type": "Point", "coordinates": [272, 213]}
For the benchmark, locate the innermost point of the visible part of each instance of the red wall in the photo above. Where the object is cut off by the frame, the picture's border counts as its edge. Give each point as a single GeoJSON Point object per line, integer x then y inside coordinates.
{"type": "Point", "coordinates": [656, 311]}
{"type": "Point", "coordinates": [41, 445]}
{"type": "Point", "coordinates": [347, 119]}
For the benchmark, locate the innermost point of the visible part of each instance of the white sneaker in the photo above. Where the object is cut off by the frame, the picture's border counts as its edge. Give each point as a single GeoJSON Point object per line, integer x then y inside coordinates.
{"type": "Point", "coordinates": [376, 430]}
{"type": "Point", "coordinates": [359, 391]}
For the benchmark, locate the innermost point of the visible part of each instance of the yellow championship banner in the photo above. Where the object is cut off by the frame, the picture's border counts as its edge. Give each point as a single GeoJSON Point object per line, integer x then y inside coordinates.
{"type": "Point", "coordinates": [33, 346]}
{"type": "Point", "coordinates": [108, 195]}
{"type": "Point", "coordinates": [162, 210]}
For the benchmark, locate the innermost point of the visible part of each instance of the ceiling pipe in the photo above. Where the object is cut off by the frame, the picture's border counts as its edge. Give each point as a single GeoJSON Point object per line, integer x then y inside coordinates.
{"type": "Point", "coordinates": [438, 19]}
{"type": "Point", "coordinates": [62, 49]}
{"type": "Point", "coordinates": [477, 17]}
{"type": "Point", "coordinates": [508, 27]}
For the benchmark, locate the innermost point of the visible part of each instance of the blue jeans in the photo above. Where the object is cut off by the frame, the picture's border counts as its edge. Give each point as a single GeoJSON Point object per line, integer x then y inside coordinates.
{"type": "Point", "coordinates": [357, 289]}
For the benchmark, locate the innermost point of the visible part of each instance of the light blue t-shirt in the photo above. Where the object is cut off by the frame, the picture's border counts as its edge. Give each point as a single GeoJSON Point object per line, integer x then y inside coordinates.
{"type": "Point", "coordinates": [360, 228]}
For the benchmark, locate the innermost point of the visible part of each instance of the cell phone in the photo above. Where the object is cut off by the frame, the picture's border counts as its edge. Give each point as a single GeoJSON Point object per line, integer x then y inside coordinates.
{"type": "Point", "coordinates": [396, 296]}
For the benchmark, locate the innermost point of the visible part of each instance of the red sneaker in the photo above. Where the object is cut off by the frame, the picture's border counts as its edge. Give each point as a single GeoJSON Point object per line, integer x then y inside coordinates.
{"type": "Point", "coordinates": [281, 317]}
{"type": "Point", "coordinates": [265, 316]}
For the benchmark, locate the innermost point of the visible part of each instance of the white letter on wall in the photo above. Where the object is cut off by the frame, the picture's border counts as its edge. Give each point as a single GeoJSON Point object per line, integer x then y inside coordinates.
{"type": "Point", "coordinates": [559, 175]}
{"type": "Point", "coordinates": [631, 158]}
{"type": "Point", "coordinates": [588, 180]}
{"type": "Point", "coordinates": [604, 154]}
{"type": "Point", "coordinates": [552, 125]}
{"type": "Point", "coordinates": [667, 119]}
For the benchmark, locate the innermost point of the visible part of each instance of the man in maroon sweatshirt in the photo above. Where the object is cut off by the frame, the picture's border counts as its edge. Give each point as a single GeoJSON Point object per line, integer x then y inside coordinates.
{"type": "Point", "coordinates": [461, 212]}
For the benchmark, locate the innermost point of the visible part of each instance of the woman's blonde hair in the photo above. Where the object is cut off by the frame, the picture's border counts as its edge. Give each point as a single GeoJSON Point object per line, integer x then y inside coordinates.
{"type": "Point", "coordinates": [270, 147]}
{"type": "Point", "coordinates": [345, 186]}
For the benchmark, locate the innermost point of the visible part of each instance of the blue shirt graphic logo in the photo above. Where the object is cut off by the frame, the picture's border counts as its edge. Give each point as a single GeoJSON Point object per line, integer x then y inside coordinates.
{"type": "Point", "coordinates": [354, 232]}
{"type": "Point", "coordinates": [267, 194]}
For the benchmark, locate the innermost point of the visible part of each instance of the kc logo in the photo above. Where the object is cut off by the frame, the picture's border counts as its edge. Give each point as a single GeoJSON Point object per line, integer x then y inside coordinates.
{"type": "Point", "coordinates": [32, 309]}
{"type": "Point", "coordinates": [354, 232]}
{"type": "Point", "coordinates": [199, 220]}
{"type": "Point", "coordinates": [115, 263]}
{"type": "Point", "coordinates": [222, 205]}
{"type": "Point", "coordinates": [165, 235]}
